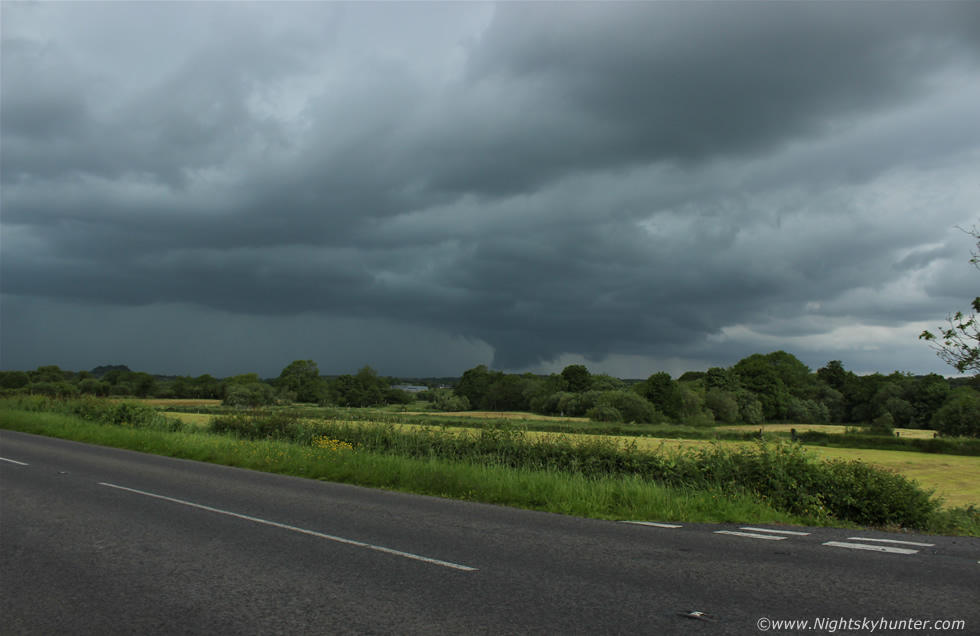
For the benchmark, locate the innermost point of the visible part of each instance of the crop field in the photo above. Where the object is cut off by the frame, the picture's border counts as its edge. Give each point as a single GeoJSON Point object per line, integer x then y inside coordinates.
{"type": "Point", "coordinates": [955, 478]}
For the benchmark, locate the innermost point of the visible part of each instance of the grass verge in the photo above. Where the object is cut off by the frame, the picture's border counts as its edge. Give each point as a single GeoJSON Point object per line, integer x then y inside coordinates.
{"type": "Point", "coordinates": [617, 498]}
{"type": "Point", "coordinates": [572, 474]}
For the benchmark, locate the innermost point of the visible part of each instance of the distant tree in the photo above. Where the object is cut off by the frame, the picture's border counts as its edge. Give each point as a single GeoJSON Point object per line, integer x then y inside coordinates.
{"type": "Point", "coordinates": [89, 386]}
{"type": "Point", "coordinates": [774, 378]}
{"type": "Point", "coordinates": [724, 379]}
{"type": "Point", "coordinates": [958, 345]}
{"type": "Point", "coordinates": [48, 373]}
{"type": "Point", "coordinates": [578, 378]}
{"type": "Point", "coordinates": [691, 376]}
{"type": "Point", "coordinates": [249, 394]}
{"type": "Point", "coordinates": [451, 403]}
{"type": "Point", "coordinates": [606, 382]}
{"type": "Point", "coordinates": [475, 383]}
{"type": "Point", "coordinates": [723, 404]}
{"type": "Point", "coordinates": [928, 396]}
{"type": "Point", "coordinates": [14, 379]}
{"type": "Point", "coordinates": [142, 384]}
{"type": "Point", "coordinates": [834, 375]}
{"type": "Point", "coordinates": [664, 393]}
{"type": "Point", "coordinates": [959, 415]}
{"type": "Point", "coordinates": [630, 407]}
{"type": "Point", "coordinates": [206, 387]}
{"type": "Point", "coordinates": [362, 389]}
{"type": "Point", "coordinates": [302, 378]}
{"type": "Point", "coordinates": [397, 396]}
{"type": "Point", "coordinates": [506, 393]}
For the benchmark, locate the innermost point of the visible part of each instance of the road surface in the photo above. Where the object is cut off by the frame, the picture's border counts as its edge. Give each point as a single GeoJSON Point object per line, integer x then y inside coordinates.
{"type": "Point", "coordinates": [104, 541]}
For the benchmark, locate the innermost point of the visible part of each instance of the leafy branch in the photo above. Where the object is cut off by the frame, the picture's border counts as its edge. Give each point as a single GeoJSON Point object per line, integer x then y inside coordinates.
{"type": "Point", "coordinates": [959, 344]}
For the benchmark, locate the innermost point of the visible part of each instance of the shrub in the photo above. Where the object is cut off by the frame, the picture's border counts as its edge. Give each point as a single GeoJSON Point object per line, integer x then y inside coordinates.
{"type": "Point", "coordinates": [450, 403]}
{"type": "Point", "coordinates": [279, 424]}
{"type": "Point", "coordinates": [872, 495]}
{"type": "Point", "coordinates": [631, 406]}
{"type": "Point", "coordinates": [882, 425]}
{"type": "Point", "coordinates": [604, 413]}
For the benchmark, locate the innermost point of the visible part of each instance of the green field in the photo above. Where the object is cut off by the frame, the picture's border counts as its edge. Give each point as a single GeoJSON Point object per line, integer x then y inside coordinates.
{"type": "Point", "coordinates": [954, 478]}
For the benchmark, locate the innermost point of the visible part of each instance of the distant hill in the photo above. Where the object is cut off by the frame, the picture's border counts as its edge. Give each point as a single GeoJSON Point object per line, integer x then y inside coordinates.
{"type": "Point", "coordinates": [102, 370]}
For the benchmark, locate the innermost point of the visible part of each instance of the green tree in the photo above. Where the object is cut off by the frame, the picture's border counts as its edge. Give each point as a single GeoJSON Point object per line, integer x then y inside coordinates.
{"type": "Point", "coordinates": [606, 382]}
{"type": "Point", "coordinates": [14, 379]}
{"type": "Point", "coordinates": [928, 396]}
{"type": "Point", "coordinates": [302, 379]}
{"type": "Point", "coordinates": [506, 393]}
{"type": "Point", "coordinates": [475, 383]}
{"type": "Point", "coordinates": [958, 345]}
{"type": "Point", "coordinates": [959, 415]}
{"type": "Point", "coordinates": [142, 383]}
{"type": "Point", "coordinates": [664, 393]}
{"type": "Point", "coordinates": [629, 406]}
{"type": "Point", "coordinates": [758, 376]}
{"type": "Point", "coordinates": [723, 404]}
{"type": "Point", "coordinates": [578, 378]}
{"type": "Point", "coordinates": [724, 379]}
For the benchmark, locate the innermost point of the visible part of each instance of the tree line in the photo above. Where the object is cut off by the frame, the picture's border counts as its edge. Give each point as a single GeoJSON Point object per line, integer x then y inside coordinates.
{"type": "Point", "coordinates": [761, 388]}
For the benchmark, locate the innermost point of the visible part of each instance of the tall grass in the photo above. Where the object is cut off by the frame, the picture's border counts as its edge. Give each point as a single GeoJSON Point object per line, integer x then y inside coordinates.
{"type": "Point", "coordinates": [596, 477]}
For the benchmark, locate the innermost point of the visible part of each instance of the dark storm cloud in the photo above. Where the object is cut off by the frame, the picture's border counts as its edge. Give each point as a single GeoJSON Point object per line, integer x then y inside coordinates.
{"type": "Point", "coordinates": [665, 180]}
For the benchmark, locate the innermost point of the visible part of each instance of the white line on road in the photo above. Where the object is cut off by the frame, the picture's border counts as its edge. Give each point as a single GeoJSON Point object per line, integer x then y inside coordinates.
{"type": "Point", "coordinates": [873, 548]}
{"type": "Point", "coordinates": [651, 523]}
{"type": "Point", "coordinates": [749, 534]}
{"type": "Point", "coordinates": [12, 461]}
{"type": "Point", "coordinates": [925, 545]}
{"type": "Point", "coordinates": [407, 555]}
{"type": "Point", "coordinates": [800, 534]}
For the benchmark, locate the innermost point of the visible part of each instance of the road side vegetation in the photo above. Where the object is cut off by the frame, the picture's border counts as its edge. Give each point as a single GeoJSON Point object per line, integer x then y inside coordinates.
{"type": "Point", "coordinates": [778, 482]}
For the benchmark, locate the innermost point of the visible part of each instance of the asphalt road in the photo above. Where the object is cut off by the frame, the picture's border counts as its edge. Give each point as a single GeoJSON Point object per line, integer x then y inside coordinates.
{"type": "Point", "coordinates": [102, 541]}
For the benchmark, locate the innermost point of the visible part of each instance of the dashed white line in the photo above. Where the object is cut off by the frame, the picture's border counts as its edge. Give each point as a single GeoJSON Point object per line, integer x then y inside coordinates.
{"type": "Point", "coordinates": [360, 544]}
{"type": "Point", "coordinates": [654, 524]}
{"type": "Point", "coordinates": [925, 545]}
{"type": "Point", "coordinates": [799, 534]}
{"type": "Point", "coordinates": [873, 548]}
{"type": "Point", "coordinates": [12, 461]}
{"type": "Point", "coordinates": [749, 534]}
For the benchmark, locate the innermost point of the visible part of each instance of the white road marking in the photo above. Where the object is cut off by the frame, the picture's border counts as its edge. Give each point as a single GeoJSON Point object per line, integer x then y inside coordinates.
{"type": "Point", "coordinates": [925, 545]}
{"type": "Point", "coordinates": [651, 523]}
{"type": "Point", "coordinates": [407, 555]}
{"type": "Point", "coordinates": [799, 534]}
{"type": "Point", "coordinates": [873, 548]}
{"type": "Point", "coordinates": [12, 461]}
{"type": "Point", "coordinates": [749, 534]}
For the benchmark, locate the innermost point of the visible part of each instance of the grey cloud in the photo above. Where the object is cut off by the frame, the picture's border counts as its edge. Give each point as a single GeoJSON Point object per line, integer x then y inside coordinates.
{"type": "Point", "coordinates": [597, 179]}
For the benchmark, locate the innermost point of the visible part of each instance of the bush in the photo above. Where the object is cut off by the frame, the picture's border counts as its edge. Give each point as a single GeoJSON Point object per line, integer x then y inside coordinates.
{"type": "Point", "coordinates": [872, 495]}
{"type": "Point", "coordinates": [604, 413]}
{"type": "Point", "coordinates": [279, 424]}
{"type": "Point", "coordinates": [450, 403]}
{"type": "Point", "coordinates": [632, 407]}
{"type": "Point", "coordinates": [882, 425]}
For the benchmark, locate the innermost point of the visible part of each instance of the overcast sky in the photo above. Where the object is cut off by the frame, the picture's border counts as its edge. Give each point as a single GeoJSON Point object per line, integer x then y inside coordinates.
{"type": "Point", "coordinates": [226, 187]}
